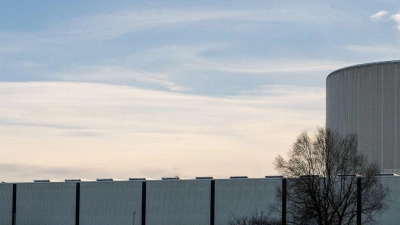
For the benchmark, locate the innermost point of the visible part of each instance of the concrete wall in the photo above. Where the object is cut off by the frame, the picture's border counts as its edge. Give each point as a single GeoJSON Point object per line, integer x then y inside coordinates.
{"type": "Point", "coordinates": [6, 199]}
{"type": "Point", "coordinates": [46, 204]}
{"type": "Point", "coordinates": [238, 197]}
{"type": "Point", "coordinates": [105, 203]}
{"type": "Point", "coordinates": [365, 100]}
{"type": "Point", "coordinates": [178, 202]}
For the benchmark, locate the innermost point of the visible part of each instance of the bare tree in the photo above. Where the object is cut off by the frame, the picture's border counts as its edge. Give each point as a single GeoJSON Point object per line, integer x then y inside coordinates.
{"type": "Point", "coordinates": [253, 219]}
{"type": "Point", "coordinates": [323, 190]}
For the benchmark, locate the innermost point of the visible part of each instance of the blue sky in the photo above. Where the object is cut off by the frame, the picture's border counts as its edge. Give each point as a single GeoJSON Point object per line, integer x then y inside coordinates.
{"type": "Point", "coordinates": [163, 88]}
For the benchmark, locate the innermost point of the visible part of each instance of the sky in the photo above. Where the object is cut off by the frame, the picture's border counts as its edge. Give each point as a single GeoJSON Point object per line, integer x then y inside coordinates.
{"type": "Point", "coordinates": [124, 89]}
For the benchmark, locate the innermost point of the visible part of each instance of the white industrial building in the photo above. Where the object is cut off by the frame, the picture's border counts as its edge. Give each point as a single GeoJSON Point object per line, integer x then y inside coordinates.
{"type": "Point", "coordinates": [362, 99]}
{"type": "Point", "coordinates": [365, 100]}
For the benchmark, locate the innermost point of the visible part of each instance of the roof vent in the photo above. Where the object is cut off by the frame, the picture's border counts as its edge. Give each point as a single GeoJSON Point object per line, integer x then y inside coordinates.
{"type": "Point", "coordinates": [171, 178]}
{"type": "Point", "coordinates": [204, 178]}
{"type": "Point", "coordinates": [104, 179]}
{"type": "Point", "coordinates": [139, 178]}
{"type": "Point", "coordinates": [41, 181]}
{"type": "Point", "coordinates": [72, 180]}
{"type": "Point", "coordinates": [274, 176]}
{"type": "Point", "coordinates": [238, 177]}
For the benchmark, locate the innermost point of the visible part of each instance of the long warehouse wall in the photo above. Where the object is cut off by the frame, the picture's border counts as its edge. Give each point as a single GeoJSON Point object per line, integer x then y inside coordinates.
{"type": "Point", "coordinates": [177, 202]}
{"type": "Point", "coordinates": [151, 202]}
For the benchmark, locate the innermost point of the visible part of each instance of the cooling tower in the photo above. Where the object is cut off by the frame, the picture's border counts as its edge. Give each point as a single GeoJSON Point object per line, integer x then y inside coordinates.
{"type": "Point", "coordinates": [365, 100]}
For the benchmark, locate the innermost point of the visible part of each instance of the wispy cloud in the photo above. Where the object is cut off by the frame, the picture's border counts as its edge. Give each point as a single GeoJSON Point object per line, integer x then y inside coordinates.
{"type": "Point", "coordinates": [87, 49]}
{"type": "Point", "coordinates": [378, 16]}
{"type": "Point", "coordinates": [130, 20]}
{"type": "Point", "coordinates": [195, 58]}
{"type": "Point", "coordinates": [111, 25]}
{"type": "Point", "coordinates": [396, 19]}
{"type": "Point", "coordinates": [115, 24]}
{"type": "Point", "coordinates": [134, 129]}
{"type": "Point", "coordinates": [174, 68]}
{"type": "Point", "coordinates": [383, 52]}
{"type": "Point", "coordinates": [266, 65]}
{"type": "Point", "coordinates": [120, 75]}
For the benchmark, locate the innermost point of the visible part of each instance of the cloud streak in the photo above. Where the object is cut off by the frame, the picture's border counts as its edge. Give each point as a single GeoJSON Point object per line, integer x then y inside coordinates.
{"type": "Point", "coordinates": [378, 16]}
{"type": "Point", "coordinates": [384, 51]}
{"type": "Point", "coordinates": [129, 129]}
{"type": "Point", "coordinates": [119, 75]}
{"type": "Point", "coordinates": [111, 25]}
{"type": "Point", "coordinates": [192, 58]}
{"type": "Point", "coordinates": [104, 26]}
{"type": "Point", "coordinates": [182, 68]}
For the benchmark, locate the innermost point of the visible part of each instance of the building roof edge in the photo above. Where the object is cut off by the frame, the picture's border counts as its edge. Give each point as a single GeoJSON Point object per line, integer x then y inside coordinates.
{"type": "Point", "coordinates": [361, 65]}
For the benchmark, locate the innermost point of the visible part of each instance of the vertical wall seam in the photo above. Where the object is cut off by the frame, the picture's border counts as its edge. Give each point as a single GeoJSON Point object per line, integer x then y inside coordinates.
{"type": "Point", "coordinates": [347, 79]}
{"type": "Point", "coordinates": [212, 203]}
{"type": "Point", "coordinates": [14, 205]}
{"type": "Point", "coordinates": [284, 200]}
{"type": "Point", "coordinates": [144, 203]}
{"type": "Point", "coordinates": [382, 72]}
{"type": "Point", "coordinates": [369, 112]}
{"type": "Point", "coordinates": [395, 117]}
{"type": "Point", "coordinates": [77, 203]}
{"type": "Point", "coordinates": [358, 109]}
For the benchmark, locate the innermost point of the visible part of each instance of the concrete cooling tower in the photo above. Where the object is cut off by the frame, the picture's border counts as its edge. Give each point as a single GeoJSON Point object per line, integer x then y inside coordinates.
{"type": "Point", "coordinates": [365, 99]}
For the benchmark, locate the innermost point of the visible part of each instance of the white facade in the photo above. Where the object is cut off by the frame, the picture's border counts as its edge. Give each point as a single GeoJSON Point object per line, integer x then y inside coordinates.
{"type": "Point", "coordinates": [365, 100]}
